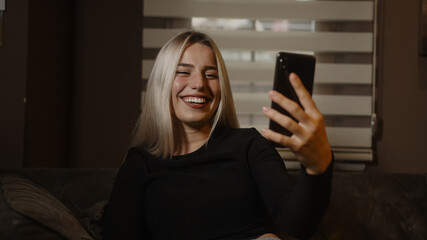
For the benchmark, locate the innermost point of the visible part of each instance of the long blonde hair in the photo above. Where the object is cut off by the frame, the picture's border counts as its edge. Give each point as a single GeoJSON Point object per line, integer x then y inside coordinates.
{"type": "Point", "coordinates": [154, 130]}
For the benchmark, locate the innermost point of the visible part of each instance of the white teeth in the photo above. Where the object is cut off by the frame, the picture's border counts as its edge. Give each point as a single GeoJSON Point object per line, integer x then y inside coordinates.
{"type": "Point", "coordinates": [195, 100]}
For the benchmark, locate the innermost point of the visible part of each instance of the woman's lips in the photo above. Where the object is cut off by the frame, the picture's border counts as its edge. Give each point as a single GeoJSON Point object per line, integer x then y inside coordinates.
{"type": "Point", "coordinates": [198, 100]}
{"type": "Point", "coordinates": [195, 101]}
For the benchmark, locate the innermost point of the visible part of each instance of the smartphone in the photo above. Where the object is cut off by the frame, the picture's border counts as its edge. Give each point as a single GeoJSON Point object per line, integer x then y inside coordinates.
{"type": "Point", "coordinates": [287, 63]}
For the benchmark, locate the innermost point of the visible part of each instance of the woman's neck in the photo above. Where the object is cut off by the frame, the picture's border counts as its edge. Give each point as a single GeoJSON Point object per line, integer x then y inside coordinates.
{"type": "Point", "coordinates": [191, 139]}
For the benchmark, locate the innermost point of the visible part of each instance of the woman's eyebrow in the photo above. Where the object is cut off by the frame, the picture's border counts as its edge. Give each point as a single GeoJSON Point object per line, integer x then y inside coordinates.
{"type": "Point", "coordinates": [185, 65]}
{"type": "Point", "coordinates": [211, 68]}
{"type": "Point", "coordinates": [192, 66]}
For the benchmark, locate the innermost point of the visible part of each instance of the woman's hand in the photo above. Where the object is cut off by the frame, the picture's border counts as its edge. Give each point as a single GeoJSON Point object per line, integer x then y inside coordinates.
{"type": "Point", "coordinates": [308, 141]}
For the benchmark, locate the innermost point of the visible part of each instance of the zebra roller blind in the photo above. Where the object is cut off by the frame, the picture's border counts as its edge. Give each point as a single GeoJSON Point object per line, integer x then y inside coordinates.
{"type": "Point", "coordinates": [249, 33]}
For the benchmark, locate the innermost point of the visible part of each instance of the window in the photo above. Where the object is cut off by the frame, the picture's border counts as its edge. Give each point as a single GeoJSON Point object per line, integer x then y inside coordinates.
{"type": "Point", "coordinates": [341, 34]}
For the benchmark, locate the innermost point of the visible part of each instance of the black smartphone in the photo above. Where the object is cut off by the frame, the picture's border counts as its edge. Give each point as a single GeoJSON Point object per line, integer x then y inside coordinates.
{"type": "Point", "coordinates": [287, 63]}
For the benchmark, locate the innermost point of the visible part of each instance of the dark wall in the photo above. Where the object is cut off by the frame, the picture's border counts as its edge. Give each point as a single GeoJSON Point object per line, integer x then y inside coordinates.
{"type": "Point", "coordinates": [402, 88]}
{"type": "Point", "coordinates": [78, 65]}
{"type": "Point", "coordinates": [13, 64]}
{"type": "Point", "coordinates": [107, 84]}
{"type": "Point", "coordinates": [48, 83]}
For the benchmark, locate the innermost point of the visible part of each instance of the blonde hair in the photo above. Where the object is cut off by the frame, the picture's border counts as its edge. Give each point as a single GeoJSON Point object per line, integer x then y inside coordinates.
{"type": "Point", "coordinates": [154, 130]}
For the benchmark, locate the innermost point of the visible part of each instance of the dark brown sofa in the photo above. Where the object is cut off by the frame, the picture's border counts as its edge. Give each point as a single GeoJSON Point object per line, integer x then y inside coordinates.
{"type": "Point", "coordinates": [68, 204]}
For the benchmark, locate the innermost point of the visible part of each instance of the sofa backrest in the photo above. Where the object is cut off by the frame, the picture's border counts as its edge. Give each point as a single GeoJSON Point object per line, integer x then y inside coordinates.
{"type": "Point", "coordinates": [363, 205]}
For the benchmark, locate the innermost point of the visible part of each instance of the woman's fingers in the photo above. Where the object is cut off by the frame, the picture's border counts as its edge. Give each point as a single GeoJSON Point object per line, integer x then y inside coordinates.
{"type": "Point", "coordinates": [278, 138]}
{"type": "Point", "coordinates": [308, 141]}
{"type": "Point", "coordinates": [308, 115]}
{"type": "Point", "coordinates": [292, 107]}
{"type": "Point", "coordinates": [284, 121]}
{"type": "Point", "coordinates": [304, 96]}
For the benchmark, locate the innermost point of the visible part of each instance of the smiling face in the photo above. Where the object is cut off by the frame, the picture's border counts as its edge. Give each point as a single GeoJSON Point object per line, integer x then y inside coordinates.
{"type": "Point", "coordinates": [196, 89]}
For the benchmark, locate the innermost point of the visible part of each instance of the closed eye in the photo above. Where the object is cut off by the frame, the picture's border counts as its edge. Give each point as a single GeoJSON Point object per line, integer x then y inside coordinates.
{"type": "Point", "coordinates": [211, 76]}
{"type": "Point", "coordinates": [182, 72]}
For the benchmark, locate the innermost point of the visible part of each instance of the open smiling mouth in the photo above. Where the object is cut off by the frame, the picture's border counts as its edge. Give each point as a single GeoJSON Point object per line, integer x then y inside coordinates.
{"type": "Point", "coordinates": [195, 100]}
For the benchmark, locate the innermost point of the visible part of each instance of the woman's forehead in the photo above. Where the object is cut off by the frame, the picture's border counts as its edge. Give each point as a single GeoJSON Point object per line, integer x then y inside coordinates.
{"type": "Point", "coordinates": [198, 54]}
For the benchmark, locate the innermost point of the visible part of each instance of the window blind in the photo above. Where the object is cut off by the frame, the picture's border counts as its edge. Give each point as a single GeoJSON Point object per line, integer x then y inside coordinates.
{"type": "Point", "coordinates": [249, 33]}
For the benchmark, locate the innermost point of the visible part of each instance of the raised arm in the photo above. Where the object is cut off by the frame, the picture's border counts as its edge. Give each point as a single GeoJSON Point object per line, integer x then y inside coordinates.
{"type": "Point", "coordinates": [308, 141]}
{"type": "Point", "coordinates": [297, 210]}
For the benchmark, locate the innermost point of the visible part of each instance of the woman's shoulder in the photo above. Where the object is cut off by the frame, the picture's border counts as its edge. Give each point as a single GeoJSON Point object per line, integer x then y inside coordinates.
{"type": "Point", "coordinates": [236, 136]}
{"type": "Point", "coordinates": [248, 144]}
{"type": "Point", "coordinates": [136, 151]}
{"type": "Point", "coordinates": [135, 158]}
{"type": "Point", "coordinates": [243, 133]}
{"type": "Point", "coordinates": [222, 130]}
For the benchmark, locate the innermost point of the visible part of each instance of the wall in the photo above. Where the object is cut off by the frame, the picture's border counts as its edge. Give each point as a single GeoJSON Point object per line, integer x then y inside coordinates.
{"type": "Point", "coordinates": [13, 63]}
{"type": "Point", "coordinates": [107, 86]}
{"type": "Point", "coordinates": [402, 91]}
{"type": "Point", "coordinates": [48, 83]}
{"type": "Point", "coordinates": [78, 65]}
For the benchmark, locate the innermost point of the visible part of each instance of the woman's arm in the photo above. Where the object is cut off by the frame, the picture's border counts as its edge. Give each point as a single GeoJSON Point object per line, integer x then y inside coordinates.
{"type": "Point", "coordinates": [296, 210]}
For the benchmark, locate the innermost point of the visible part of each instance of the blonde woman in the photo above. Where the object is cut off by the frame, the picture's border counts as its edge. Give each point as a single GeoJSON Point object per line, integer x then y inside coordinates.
{"type": "Point", "coordinates": [193, 174]}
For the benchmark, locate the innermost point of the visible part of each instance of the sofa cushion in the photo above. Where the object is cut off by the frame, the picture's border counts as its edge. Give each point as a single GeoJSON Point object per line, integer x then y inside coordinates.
{"type": "Point", "coordinates": [92, 219]}
{"type": "Point", "coordinates": [36, 203]}
{"type": "Point", "coordinates": [15, 226]}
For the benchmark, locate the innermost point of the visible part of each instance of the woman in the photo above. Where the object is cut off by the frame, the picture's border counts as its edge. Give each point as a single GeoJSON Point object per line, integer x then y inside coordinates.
{"type": "Point", "coordinates": [192, 174]}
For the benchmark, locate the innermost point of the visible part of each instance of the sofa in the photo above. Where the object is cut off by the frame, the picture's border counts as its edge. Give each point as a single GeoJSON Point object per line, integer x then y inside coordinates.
{"type": "Point", "coordinates": [69, 203]}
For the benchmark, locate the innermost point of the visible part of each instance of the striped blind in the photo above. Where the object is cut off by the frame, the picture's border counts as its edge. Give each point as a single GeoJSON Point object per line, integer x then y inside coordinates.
{"type": "Point", "coordinates": [249, 33]}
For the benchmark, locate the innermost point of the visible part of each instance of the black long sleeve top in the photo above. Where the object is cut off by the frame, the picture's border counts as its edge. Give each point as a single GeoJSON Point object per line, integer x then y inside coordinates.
{"type": "Point", "coordinates": [235, 187]}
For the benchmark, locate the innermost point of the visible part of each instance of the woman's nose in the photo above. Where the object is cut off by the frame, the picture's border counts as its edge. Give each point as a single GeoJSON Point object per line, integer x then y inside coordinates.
{"type": "Point", "coordinates": [197, 81]}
